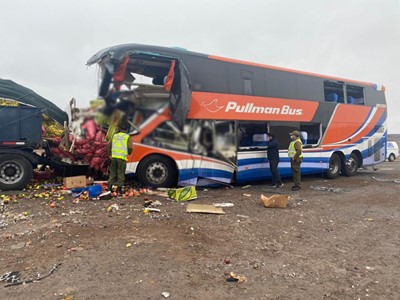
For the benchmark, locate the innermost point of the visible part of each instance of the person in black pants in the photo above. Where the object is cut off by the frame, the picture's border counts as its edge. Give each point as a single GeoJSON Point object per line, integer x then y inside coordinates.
{"type": "Point", "coordinates": [273, 158]}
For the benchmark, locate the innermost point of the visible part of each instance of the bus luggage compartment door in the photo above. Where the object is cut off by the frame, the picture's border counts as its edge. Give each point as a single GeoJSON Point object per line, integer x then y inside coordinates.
{"type": "Point", "coordinates": [252, 165]}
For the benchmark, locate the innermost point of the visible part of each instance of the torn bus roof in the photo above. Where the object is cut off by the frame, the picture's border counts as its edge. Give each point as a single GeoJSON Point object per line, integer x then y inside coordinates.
{"type": "Point", "coordinates": [118, 52]}
{"type": "Point", "coordinates": [14, 91]}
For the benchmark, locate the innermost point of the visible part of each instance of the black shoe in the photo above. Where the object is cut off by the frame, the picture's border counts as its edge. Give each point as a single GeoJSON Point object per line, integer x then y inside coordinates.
{"type": "Point", "coordinates": [295, 188]}
{"type": "Point", "coordinates": [279, 185]}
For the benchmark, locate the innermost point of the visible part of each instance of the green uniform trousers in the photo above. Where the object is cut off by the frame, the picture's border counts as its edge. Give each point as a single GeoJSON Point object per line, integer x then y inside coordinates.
{"type": "Point", "coordinates": [117, 173]}
{"type": "Point", "coordinates": [295, 165]}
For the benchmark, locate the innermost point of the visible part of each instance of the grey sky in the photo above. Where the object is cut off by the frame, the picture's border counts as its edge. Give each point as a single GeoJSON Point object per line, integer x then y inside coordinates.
{"type": "Point", "coordinates": [46, 43]}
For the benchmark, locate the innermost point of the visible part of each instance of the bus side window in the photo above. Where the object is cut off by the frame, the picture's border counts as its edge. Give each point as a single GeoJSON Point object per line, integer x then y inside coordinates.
{"type": "Point", "coordinates": [310, 134]}
{"type": "Point", "coordinates": [355, 95]}
{"type": "Point", "coordinates": [334, 92]}
{"type": "Point", "coordinates": [303, 137]}
{"type": "Point", "coordinates": [247, 79]}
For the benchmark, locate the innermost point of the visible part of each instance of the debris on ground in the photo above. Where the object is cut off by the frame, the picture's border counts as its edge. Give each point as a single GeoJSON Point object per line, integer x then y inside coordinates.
{"type": "Point", "coordinates": [242, 216]}
{"type": "Point", "coordinates": [232, 277]}
{"type": "Point", "coordinates": [153, 193]}
{"type": "Point", "coordinates": [327, 189]}
{"type": "Point", "coordinates": [246, 186]}
{"type": "Point", "coordinates": [279, 201]}
{"type": "Point", "coordinates": [204, 208]}
{"type": "Point", "coordinates": [386, 179]}
{"type": "Point", "coordinates": [226, 204]}
{"type": "Point", "coordinates": [14, 277]}
{"type": "Point", "coordinates": [165, 294]}
{"type": "Point", "coordinates": [113, 207]}
{"type": "Point", "coordinates": [183, 194]}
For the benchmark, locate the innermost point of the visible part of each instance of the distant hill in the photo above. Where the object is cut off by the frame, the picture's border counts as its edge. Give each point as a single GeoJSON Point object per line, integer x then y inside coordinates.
{"type": "Point", "coordinates": [394, 137]}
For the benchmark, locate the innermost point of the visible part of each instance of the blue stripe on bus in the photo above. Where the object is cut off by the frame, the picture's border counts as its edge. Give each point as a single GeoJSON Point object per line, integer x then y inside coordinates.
{"type": "Point", "coordinates": [378, 125]}
{"type": "Point", "coordinates": [254, 174]}
{"type": "Point", "coordinates": [187, 174]}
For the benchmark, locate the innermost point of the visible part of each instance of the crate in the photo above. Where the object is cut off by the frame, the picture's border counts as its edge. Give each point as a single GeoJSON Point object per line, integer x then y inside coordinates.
{"type": "Point", "coordinates": [183, 194]}
{"type": "Point", "coordinates": [74, 182]}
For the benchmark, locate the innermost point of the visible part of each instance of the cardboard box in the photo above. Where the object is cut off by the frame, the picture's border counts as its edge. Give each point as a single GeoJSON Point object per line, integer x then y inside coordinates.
{"type": "Point", "coordinates": [182, 194]}
{"type": "Point", "coordinates": [74, 182]}
{"type": "Point", "coordinates": [279, 201]}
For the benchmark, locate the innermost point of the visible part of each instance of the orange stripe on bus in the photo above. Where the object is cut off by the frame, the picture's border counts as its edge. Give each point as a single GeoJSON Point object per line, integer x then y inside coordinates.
{"type": "Point", "coordinates": [346, 120]}
{"type": "Point", "coordinates": [247, 107]}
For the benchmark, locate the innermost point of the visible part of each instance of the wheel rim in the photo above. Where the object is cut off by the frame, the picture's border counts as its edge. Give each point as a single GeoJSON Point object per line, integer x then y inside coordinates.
{"type": "Point", "coordinates": [333, 166]}
{"type": "Point", "coordinates": [351, 165]}
{"type": "Point", "coordinates": [11, 172]}
{"type": "Point", "coordinates": [157, 173]}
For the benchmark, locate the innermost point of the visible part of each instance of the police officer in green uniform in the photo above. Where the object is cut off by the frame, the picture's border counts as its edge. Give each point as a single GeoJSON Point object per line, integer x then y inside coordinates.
{"type": "Point", "coordinates": [119, 148]}
{"type": "Point", "coordinates": [295, 153]}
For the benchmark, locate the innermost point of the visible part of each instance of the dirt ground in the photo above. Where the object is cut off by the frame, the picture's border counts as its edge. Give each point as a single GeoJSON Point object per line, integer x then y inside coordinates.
{"type": "Point", "coordinates": [341, 242]}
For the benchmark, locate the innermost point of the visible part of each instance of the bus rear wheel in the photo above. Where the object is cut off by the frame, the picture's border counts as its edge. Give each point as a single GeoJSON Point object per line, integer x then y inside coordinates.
{"type": "Point", "coordinates": [334, 166]}
{"type": "Point", "coordinates": [157, 171]}
{"type": "Point", "coordinates": [350, 167]}
{"type": "Point", "coordinates": [15, 172]}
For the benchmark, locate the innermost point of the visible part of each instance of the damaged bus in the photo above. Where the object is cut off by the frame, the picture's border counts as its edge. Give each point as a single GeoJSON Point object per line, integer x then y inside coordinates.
{"type": "Point", "coordinates": [203, 119]}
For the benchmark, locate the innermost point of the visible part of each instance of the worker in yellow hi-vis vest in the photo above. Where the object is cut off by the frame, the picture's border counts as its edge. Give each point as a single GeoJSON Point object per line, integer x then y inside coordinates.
{"type": "Point", "coordinates": [295, 152]}
{"type": "Point", "coordinates": [119, 148]}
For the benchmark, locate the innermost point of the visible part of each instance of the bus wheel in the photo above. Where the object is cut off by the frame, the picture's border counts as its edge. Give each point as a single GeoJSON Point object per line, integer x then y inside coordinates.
{"type": "Point", "coordinates": [351, 166]}
{"type": "Point", "coordinates": [391, 157]}
{"type": "Point", "coordinates": [15, 172]}
{"type": "Point", "coordinates": [334, 166]}
{"type": "Point", "coordinates": [157, 171]}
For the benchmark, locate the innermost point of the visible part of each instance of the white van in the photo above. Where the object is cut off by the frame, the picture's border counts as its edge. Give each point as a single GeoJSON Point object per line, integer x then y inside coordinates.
{"type": "Point", "coordinates": [392, 150]}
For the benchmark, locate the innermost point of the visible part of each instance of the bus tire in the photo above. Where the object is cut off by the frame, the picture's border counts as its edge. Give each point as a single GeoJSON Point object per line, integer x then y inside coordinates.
{"type": "Point", "coordinates": [15, 172]}
{"type": "Point", "coordinates": [350, 166]}
{"type": "Point", "coordinates": [157, 171]}
{"type": "Point", "coordinates": [391, 157]}
{"type": "Point", "coordinates": [334, 166]}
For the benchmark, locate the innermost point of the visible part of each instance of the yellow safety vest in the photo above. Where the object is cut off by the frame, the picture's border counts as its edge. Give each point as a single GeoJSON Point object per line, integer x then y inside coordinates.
{"type": "Point", "coordinates": [120, 146]}
{"type": "Point", "coordinates": [292, 150]}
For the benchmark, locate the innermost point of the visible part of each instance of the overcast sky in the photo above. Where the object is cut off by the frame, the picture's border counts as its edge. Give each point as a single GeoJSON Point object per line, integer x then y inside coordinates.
{"type": "Point", "coordinates": [45, 43]}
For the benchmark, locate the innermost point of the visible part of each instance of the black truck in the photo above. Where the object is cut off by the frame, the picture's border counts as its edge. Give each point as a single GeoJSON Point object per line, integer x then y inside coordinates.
{"type": "Point", "coordinates": [20, 139]}
{"type": "Point", "coordinates": [22, 147]}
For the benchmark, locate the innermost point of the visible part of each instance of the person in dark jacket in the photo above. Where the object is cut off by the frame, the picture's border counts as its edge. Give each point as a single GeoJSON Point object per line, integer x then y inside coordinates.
{"type": "Point", "coordinates": [273, 158]}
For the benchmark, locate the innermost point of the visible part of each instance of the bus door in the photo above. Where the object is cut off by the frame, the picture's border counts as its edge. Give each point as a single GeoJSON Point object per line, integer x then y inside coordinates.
{"type": "Point", "coordinates": [252, 162]}
{"type": "Point", "coordinates": [215, 142]}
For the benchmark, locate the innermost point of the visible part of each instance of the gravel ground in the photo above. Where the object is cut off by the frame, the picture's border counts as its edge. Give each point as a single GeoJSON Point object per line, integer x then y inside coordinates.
{"type": "Point", "coordinates": [337, 239]}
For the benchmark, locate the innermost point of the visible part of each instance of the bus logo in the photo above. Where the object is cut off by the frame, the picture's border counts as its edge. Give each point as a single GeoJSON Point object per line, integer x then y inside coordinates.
{"type": "Point", "coordinates": [212, 106]}
{"type": "Point", "coordinates": [250, 108]}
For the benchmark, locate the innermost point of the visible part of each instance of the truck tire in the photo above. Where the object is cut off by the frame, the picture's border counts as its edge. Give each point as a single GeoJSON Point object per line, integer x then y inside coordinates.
{"type": "Point", "coordinates": [350, 167]}
{"type": "Point", "coordinates": [334, 166]}
{"type": "Point", "coordinates": [15, 172]}
{"type": "Point", "coordinates": [391, 157]}
{"type": "Point", "coordinates": [157, 171]}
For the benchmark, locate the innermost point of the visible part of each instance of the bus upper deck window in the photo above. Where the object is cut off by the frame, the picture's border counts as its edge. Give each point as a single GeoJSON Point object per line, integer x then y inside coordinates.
{"type": "Point", "coordinates": [355, 95]}
{"type": "Point", "coordinates": [334, 92]}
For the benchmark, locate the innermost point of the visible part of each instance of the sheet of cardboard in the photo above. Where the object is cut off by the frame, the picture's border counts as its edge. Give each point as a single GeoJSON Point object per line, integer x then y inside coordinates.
{"type": "Point", "coordinates": [204, 208]}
